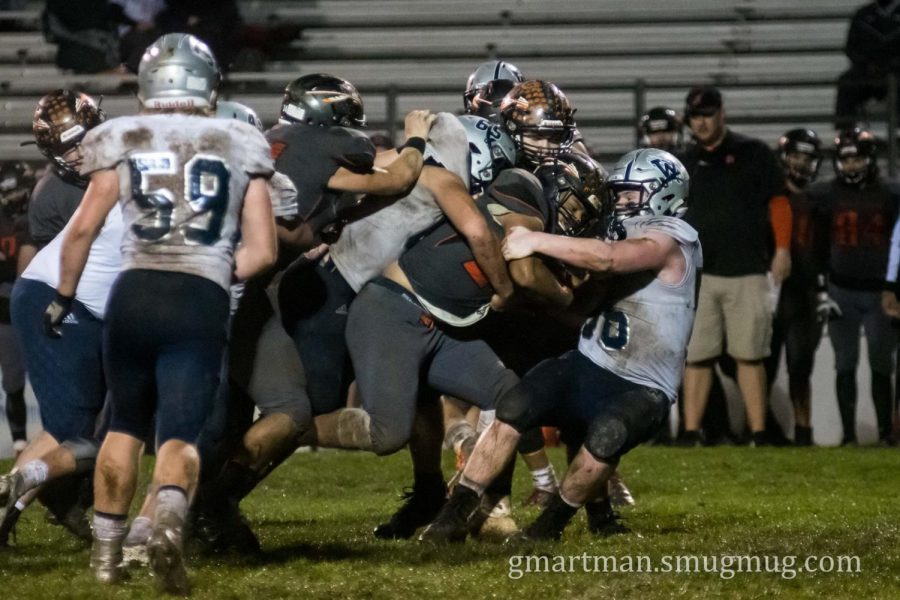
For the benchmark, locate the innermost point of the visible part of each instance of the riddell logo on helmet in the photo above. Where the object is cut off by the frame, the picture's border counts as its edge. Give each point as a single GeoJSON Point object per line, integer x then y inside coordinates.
{"type": "Point", "coordinates": [173, 103]}
{"type": "Point", "coordinates": [551, 123]}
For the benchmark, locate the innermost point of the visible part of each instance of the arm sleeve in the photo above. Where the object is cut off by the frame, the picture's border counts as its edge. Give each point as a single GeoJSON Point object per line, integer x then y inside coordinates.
{"type": "Point", "coordinates": [781, 218]}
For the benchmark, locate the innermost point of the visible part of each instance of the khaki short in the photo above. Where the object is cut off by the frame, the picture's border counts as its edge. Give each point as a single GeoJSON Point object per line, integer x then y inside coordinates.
{"type": "Point", "coordinates": [733, 315]}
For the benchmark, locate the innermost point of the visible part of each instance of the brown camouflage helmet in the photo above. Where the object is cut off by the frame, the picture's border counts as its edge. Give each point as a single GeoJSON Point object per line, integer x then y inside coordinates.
{"type": "Point", "coordinates": [538, 111]}
{"type": "Point", "coordinates": [61, 120]}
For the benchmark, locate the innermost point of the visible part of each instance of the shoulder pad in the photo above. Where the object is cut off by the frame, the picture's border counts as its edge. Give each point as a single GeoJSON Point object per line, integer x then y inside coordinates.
{"type": "Point", "coordinates": [674, 227]}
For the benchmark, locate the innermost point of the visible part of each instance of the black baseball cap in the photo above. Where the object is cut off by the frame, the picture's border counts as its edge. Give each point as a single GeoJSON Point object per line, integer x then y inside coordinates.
{"type": "Point", "coordinates": [703, 101]}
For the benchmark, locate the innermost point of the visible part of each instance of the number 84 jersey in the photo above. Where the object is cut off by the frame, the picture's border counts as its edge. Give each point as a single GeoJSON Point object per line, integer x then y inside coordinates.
{"type": "Point", "coordinates": [182, 181]}
{"type": "Point", "coordinates": [643, 336]}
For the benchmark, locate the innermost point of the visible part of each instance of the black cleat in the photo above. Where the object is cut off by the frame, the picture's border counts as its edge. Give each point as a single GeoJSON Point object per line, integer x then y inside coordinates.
{"type": "Point", "coordinates": [549, 525]}
{"type": "Point", "coordinates": [223, 532]}
{"type": "Point", "coordinates": [420, 508]}
{"type": "Point", "coordinates": [603, 520]}
{"type": "Point", "coordinates": [8, 526]}
{"type": "Point", "coordinates": [452, 522]}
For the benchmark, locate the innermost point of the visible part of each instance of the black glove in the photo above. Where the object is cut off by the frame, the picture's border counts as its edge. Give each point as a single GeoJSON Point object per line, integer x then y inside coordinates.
{"type": "Point", "coordinates": [55, 313]}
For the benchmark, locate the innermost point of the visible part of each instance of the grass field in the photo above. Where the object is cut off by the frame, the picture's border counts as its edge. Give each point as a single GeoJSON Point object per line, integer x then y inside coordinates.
{"type": "Point", "coordinates": [314, 517]}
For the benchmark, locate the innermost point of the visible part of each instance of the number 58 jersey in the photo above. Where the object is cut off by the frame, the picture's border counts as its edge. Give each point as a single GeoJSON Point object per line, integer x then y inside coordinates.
{"type": "Point", "coordinates": [182, 181]}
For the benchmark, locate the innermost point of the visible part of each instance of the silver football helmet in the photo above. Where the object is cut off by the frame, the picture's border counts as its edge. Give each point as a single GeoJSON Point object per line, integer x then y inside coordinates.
{"type": "Point", "coordinates": [491, 150]}
{"type": "Point", "coordinates": [178, 71]}
{"type": "Point", "coordinates": [486, 72]}
{"type": "Point", "coordinates": [229, 109]}
{"type": "Point", "coordinates": [660, 179]}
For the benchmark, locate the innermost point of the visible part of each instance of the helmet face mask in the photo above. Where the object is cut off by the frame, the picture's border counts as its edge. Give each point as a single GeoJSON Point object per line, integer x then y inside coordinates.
{"type": "Point", "coordinates": [491, 151]}
{"type": "Point", "coordinates": [487, 72]}
{"type": "Point", "coordinates": [540, 119]}
{"type": "Point", "coordinates": [61, 120]}
{"type": "Point", "coordinates": [800, 152]}
{"type": "Point", "coordinates": [322, 99]}
{"type": "Point", "coordinates": [855, 157]}
{"type": "Point", "coordinates": [487, 100]}
{"type": "Point", "coordinates": [178, 72]}
{"type": "Point", "coordinates": [648, 182]}
{"type": "Point", "coordinates": [577, 186]}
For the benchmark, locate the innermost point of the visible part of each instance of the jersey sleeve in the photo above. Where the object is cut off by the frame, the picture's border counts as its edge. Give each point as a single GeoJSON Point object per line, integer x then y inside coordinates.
{"type": "Point", "coordinates": [255, 150]}
{"type": "Point", "coordinates": [102, 147]}
{"type": "Point", "coordinates": [352, 150]}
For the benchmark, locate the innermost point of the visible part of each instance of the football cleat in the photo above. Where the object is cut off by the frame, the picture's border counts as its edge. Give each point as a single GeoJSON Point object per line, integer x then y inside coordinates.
{"type": "Point", "coordinates": [603, 520]}
{"type": "Point", "coordinates": [106, 560]}
{"type": "Point", "coordinates": [8, 526]}
{"type": "Point", "coordinates": [165, 551]}
{"type": "Point", "coordinates": [451, 523]}
{"type": "Point", "coordinates": [493, 519]}
{"type": "Point", "coordinates": [549, 525]}
{"type": "Point", "coordinates": [619, 494]}
{"type": "Point", "coordinates": [11, 486]}
{"type": "Point", "coordinates": [419, 509]}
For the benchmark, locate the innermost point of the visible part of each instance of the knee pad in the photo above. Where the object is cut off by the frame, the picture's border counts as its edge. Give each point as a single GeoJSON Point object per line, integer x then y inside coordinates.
{"type": "Point", "coordinates": [513, 409]}
{"type": "Point", "coordinates": [353, 429]}
{"type": "Point", "coordinates": [607, 438]}
{"type": "Point", "coordinates": [84, 452]}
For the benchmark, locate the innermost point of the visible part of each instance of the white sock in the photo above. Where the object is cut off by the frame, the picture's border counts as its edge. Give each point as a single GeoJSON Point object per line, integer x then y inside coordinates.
{"type": "Point", "coordinates": [34, 473]}
{"type": "Point", "coordinates": [545, 479]}
{"type": "Point", "coordinates": [171, 499]}
{"type": "Point", "coordinates": [485, 419]}
{"type": "Point", "coordinates": [109, 527]}
{"type": "Point", "coordinates": [139, 532]}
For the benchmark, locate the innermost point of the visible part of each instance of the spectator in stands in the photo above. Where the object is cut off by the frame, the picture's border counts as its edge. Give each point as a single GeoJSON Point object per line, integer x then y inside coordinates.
{"type": "Point", "coordinates": [873, 47]}
{"type": "Point", "coordinates": [216, 22]}
{"type": "Point", "coordinates": [857, 208]}
{"type": "Point", "coordinates": [734, 179]}
{"type": "Point", "coordinates": [136, 20]}
{"type": "Point", "coordinates": [16, 250]}
{"type": "Point", "coordinates": [84, 34]}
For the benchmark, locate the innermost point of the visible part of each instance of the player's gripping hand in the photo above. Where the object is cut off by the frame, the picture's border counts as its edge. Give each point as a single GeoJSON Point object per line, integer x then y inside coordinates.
{"type": "Point", "coordinates": [826, 308]}
{"type": "Point", "coordinates": [418, 124]}
{"type": "Point", "coordinates": [55, 313]}
{"type": "Point", "coordinates": [517, 244]}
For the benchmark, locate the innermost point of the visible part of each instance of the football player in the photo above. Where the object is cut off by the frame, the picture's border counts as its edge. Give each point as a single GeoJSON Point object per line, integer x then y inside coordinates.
{"type": "Point", "coordinates": [61, 120]}
{"type": "Point", "coordinates": [614, 391]}
{"type": "Point", "coordinates": [430, 301]}
{"type": "Point", "coordinates": [661, 127]}
{"type": "Point", "coordinates": [486, 87]}
{"type": "Point", "coordinates": [16, 250]}
{"type": "Point", "coordinates": [852, 238]}
{"type": "Point", "coordinates": [797, 326]}
{"type": "Point", "coordinates": [66, 374]}
{"type": "Point", "coordinates": [188, 186]}
{"type": "Point", "coordinates": [323, 161]}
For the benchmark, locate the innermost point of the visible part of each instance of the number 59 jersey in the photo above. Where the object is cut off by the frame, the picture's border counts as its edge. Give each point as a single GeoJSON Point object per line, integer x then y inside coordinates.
{"type": "Point", "coordinates": [182, 181]}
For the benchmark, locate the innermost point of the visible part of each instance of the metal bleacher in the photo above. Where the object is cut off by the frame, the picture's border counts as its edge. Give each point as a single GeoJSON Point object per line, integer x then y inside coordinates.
{"type": "Point", "coordinates": [775, 60]}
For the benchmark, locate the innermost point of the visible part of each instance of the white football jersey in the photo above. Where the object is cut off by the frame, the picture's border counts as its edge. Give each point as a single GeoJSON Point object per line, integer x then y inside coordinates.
{"type": "Point", "coordinates": [182, 181]}
{"type": "Point", "coordinates": [369, 245]}
{"type": "Point", "coordinates": [644, 336]}
{"type": "Point", "coordinates": [103, 264]}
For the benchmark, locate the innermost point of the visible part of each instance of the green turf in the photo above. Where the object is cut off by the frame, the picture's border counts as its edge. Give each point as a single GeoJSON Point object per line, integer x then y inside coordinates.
{"type": "Point", "coordinates": [315, 515]}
